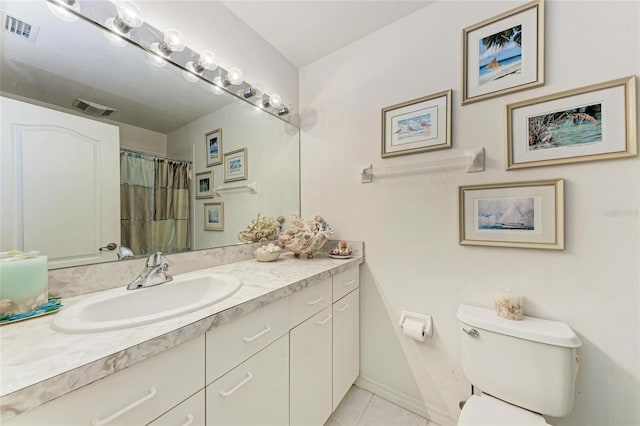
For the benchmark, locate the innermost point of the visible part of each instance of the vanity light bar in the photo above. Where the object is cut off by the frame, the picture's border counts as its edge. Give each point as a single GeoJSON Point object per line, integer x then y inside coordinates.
{"type": "Point", "coordinates": [171, 47]}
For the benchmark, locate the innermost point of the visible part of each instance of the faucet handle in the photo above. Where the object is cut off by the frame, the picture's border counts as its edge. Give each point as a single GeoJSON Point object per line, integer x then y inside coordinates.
{"type": "Point", "coordinates": [154, 259]}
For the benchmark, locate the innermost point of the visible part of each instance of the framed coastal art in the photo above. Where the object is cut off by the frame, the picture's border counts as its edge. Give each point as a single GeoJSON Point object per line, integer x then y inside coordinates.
{"type": "Point", "coordinates": [204, 184]}
{"type": "Point", "coordinates": [591, 123]}
{"type": "Point", "coordinates": [503, 54]}
{"type": "Point", "coordinates": [235, 165]}
{"type": "Point", "coordinates": [213, 147]}
{"type": "Point", "coordinates": [418, 125]}
{"type": "Point", "coordinates": [518, 214]}
{"type": "Point", "coordinates": [214, 216]}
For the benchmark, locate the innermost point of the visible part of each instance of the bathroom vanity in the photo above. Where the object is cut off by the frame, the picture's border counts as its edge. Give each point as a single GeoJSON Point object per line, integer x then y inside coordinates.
{"type": "Point", "coordinates": [283, 349]}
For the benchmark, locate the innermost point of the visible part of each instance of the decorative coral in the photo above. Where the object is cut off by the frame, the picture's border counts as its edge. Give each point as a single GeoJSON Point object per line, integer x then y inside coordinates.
{"type": "Point", "coordinates": [261, 229]}
{"type": "Point", "coordinates": [305, 238]}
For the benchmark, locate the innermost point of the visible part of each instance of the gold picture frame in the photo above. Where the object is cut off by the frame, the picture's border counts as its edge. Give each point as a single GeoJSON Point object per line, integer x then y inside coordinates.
{"type": "Point", "coordinates": [204, 184]}
{"type": "Point", "coordinates": [213, 147]}
{"type": "Point", "coordinates": [509, 56]}
{"type": "Point", "coordinates": [516, 214]}
{"type": "Point", "coordinates": [596, 122]}
{"type": "Point", "coordinates": [213, 214]}
{"type": "Point", "coordinates": [235, 165]}
{"type": "Point", "coordinates": [418, 125]}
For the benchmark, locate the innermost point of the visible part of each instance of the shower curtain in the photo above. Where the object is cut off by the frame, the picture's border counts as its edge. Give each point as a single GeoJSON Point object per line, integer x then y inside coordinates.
{"type": "Point", "coordinates": [154, 203]}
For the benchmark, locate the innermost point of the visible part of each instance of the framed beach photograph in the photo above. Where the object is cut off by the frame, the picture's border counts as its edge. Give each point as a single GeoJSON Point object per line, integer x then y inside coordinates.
{"type": "Point", "coordinates": [235, 165]}
{"type": "Point", "coordinates": [503, 54]}
{"type": "Point", "coordinates": [418, 125]}
{"type": "Point", "coordinates": [204, 184]}
{"type": "Point", "coordinates": [518, 214]}
{"type": "Point", "coordinates": [214, 216]}
{"type": "Point", "coordinates": [596, 122]}
{"type": "Point", "coordinates": [213, 147]}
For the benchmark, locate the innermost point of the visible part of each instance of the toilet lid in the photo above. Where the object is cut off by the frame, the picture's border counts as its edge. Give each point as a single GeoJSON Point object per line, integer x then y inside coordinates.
{"type": "Point", "coordinates": [489, 411]}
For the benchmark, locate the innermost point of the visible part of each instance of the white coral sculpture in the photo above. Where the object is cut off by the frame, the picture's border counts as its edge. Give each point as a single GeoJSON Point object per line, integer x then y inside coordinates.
{"type": "Point", "coordinates": [305, 237]}
{"type": "Point", "coordinates": [261, 229]}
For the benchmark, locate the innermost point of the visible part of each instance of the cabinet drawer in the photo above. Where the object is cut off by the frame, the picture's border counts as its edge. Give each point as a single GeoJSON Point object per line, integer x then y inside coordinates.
{"type": "Point", "coordinates": [133, 396]}
{"type": "Point", "coordinates": [309, 301]}
{"type": "Point", "coordinates": [232, 343]}
{"type": "Point", "coordinates": [188, 413]}
{"type": "Point", "coordinates": [345, 282]}
{"type": "Point", "coordinates": [254, 393]}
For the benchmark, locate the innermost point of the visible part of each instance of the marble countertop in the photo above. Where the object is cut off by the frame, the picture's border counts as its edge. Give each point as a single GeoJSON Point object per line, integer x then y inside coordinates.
{"type": "Point", "coordinates": [39, 364]}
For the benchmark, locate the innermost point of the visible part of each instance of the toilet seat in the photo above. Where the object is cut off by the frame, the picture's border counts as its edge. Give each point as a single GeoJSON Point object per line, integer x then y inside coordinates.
{"type": "Point", "coordinates": [486, 410]}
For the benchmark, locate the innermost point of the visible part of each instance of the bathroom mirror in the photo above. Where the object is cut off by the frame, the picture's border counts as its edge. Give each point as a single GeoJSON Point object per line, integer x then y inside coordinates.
{"type": "Point", "coordinates": [62, 65]}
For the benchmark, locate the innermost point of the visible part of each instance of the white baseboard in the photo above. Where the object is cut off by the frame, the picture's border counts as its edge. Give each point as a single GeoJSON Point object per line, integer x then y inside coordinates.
{"type": "Point", "coordinates": [408, 402]}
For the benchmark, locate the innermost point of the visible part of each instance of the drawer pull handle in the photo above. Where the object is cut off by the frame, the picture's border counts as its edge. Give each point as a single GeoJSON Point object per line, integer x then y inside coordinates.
{"type": "Point", "coordinates": [313, 302]}
{"type": "Point", "coordinates": [342, 308]}
{"type": "Point", "coordinates": [324, 321]}
{"type": "Point", "coordinates": [147, 397]}
{"type": "Point", "coordinates": [238, 386]}
{"type": "Point", "coordinates": [473, 332]}
{"type": "Point", "coordinates": [348, 283]}
{"type": "Point", "coordinates": [189, 420]}
{"type": "Point", "coordinates": [267, 328]}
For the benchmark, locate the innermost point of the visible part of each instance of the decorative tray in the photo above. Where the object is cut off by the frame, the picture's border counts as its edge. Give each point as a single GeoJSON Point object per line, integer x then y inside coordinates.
{"type": "Point", "coordinates": [337, 256]}
{"type": "Point", "coordinates": [53, 305]}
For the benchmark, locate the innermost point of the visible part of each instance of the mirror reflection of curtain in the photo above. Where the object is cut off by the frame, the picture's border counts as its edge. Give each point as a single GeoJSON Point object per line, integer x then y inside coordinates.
{"type": "Point", "coordinates": [154, 200]}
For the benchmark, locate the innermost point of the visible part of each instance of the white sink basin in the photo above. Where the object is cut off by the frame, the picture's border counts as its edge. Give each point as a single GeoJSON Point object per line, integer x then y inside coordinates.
{"type": "Point", "coordinates": [121, 308]}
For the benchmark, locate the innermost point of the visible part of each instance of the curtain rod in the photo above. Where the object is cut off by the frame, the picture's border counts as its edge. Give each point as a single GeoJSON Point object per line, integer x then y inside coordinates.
{"type": "Point", "coordinates": [161, 157]}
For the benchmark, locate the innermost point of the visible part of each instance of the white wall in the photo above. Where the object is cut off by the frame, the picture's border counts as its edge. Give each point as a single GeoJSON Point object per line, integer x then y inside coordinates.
{"type": "Point", "coordinates": [210, 25]}
{"type": "Point", "coordinates": [409, 223]}
{"type": "Point", "coordinates": [272, 163]}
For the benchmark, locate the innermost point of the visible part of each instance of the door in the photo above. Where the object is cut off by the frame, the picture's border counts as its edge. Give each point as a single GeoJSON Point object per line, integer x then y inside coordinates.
{"type": "Point", "coordinates": [60, 184]}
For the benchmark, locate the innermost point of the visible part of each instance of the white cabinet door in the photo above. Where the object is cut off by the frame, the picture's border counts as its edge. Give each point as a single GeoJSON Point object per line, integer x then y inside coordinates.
{"type": "Point", "coordinates": [60, 184]}
{"type": "Point", "coordinates": [346, 344]}
{"type": "Point", "coordinates": [310, 370]}
{"type": "Point", "coordinates": [254, 393]}
{"type": "Point", "coordinates": [189, 413]}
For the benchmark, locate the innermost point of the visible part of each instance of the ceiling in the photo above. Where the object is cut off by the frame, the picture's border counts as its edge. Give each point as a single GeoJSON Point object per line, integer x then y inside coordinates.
{"type": "Point", "coordinates": [306, 30]}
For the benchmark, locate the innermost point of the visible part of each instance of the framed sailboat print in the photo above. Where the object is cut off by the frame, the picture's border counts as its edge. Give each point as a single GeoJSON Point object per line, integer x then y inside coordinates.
{"type": "Point", "coordinates": [518, 214]}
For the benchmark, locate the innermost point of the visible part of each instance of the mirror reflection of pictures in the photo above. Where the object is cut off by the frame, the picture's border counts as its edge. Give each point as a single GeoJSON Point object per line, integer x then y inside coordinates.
{"type": "Point", "coordinates": [519, 214]}
{"type": "Point", "coordinates": [214, 216]}
{"type": "Point", "coordinates": [204, 184]}
{"type": "Point", "coordinates": [235, 165]}
{"type": "Point", "coordinates": [213, 145]}
{"type": "Point", "coordinates": [591, 123]}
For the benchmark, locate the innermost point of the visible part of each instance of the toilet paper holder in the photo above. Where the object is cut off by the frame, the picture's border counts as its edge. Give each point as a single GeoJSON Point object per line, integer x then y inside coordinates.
{"type": "Point", "coordinates": [426, 320]}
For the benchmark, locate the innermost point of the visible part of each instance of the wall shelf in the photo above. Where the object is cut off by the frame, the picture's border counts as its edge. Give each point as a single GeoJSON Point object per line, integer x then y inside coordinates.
{"type": "Point", "coordinates": [252, 187]}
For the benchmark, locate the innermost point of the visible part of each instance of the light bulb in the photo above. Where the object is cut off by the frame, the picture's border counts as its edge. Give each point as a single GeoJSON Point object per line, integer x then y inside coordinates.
{"type": "Point", "coordinates": [173, 42]}
{"type": "Point", "coordinates": [234, 76]}
{"type": "Point", "coordinates": [129, 17]}
{"type": "Point", "coordinates": [61, 9]}
{"type": "Point", "coordinates": [207, 61]}
{"type": "Point", "coordinates": [217, 84]}
{"type": "Point", "coordinates": [275, 100]}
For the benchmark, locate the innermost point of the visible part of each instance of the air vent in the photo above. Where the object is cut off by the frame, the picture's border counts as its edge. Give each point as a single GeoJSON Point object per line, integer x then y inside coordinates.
{"type": "Point", "coordinates": [93, 108]}
{"type": "Point", "coordinates": [19, 28]}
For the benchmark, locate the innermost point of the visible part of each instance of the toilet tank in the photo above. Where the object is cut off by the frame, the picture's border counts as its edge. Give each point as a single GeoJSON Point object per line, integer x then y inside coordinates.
{"type": "Point", "coordinates": [529, 363]}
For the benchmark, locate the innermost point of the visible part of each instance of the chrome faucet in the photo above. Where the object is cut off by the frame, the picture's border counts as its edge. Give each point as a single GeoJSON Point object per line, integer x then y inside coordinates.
{"type": "Point", "coordinates": [154, 273]}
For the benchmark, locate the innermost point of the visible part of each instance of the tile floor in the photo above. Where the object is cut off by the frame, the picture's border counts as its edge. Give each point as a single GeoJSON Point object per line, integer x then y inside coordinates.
{"type": "Point", "coordinates": [362, 408]}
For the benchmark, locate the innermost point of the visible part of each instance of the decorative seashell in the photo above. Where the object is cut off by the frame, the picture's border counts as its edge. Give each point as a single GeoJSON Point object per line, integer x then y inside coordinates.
{"type": "Point", "coordinates": [305, 238]}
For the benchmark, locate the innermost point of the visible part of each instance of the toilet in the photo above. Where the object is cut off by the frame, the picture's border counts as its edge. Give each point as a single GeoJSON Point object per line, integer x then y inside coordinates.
{"type": "Point", "coordinates": [524, 369]}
